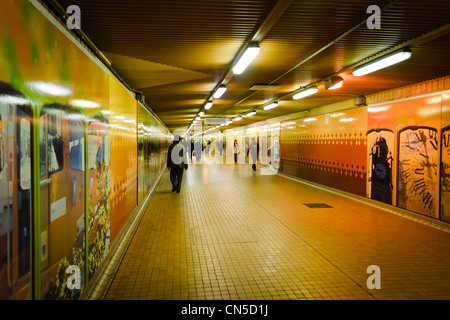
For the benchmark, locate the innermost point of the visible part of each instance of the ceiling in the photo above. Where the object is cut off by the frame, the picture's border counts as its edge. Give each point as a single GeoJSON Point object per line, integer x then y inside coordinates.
{"type": "Point", "coordinates": [177, 52]}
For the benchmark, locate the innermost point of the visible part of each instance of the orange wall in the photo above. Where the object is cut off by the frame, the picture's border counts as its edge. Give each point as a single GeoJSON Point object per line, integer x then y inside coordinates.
{"type": "Point", "coordinates": [327, 149]}
{"type": "Point", "coordinates": [396, 152]}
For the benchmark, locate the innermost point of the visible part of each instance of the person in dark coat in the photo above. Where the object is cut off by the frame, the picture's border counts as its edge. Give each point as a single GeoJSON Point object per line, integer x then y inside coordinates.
{"type": "Point", "coordinates": [177, 162]}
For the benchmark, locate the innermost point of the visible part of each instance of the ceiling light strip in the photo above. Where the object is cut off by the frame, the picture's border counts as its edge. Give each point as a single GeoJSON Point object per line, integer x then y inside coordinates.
{"type": "Point", "coordinates": [220, 91]}
{"type": "Point", "coordinates": [383, 62]}
{"type": "Point", "coordinates": [313, 55]}
{"type": "Point", "coordinates": [247, 57]}
{"type": "Point", "coordinates": [271, 106]}
{"type": "Point", "coordinates": [305, 93]}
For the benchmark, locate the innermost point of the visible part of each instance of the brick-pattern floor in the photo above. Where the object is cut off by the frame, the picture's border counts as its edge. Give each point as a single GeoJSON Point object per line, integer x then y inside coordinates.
{"type": "Point", "coordinates": [237, 234]}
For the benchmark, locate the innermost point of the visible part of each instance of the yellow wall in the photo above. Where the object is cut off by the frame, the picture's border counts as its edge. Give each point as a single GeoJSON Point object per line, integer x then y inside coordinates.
{"type": "Point", "coordinates": [123, 117]}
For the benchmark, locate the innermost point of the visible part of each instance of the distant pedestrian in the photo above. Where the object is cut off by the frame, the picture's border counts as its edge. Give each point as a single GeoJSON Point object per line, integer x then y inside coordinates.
{"type": "Point", "coordinates": [253, 149]}
{"type": "Point", "coordinates": [198, 150]}
{"type": "Point", "coordinates": [207, 148]}
{"type": "Point", "coordinates": [236, 151]}
{"type": "Point", "coordinates": [177, 162]}
{"type": "Point", "coordinates": [220, 146]}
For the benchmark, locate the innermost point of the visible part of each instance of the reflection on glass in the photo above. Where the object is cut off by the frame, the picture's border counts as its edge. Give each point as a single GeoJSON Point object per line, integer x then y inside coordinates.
{"type": "Point", "coordinates": [15, 194]}
{"type": "Point", "coordinates": [98, 217]}
{"type": "Point", "coordinates": [62, 199]}
{"type": "Point", "coordinates": [76, 145]}
{"type": "Point", "coordinates": [55, 143]}
{"type": "Point", "coordinates": [25, 154]}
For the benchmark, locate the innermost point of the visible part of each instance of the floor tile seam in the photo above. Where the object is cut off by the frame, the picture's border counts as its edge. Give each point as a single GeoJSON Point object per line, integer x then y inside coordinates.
{"type": "Point", "coordinates": [329, 260]}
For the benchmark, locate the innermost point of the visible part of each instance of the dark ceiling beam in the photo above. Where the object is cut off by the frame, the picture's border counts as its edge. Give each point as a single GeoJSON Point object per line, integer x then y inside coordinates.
{"type": "Point", "coordinates": [270, 19]}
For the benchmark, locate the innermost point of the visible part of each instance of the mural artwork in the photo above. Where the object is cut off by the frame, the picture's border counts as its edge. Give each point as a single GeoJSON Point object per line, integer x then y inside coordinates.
{"type": "Point", "coordinates": [381, 146]}
{"type": "Point", "coordinates": [418, 171]}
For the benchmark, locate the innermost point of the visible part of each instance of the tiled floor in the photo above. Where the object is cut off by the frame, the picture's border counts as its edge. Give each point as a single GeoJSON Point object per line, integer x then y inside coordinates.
{"type": "Point", "coordinates": [237, 234]}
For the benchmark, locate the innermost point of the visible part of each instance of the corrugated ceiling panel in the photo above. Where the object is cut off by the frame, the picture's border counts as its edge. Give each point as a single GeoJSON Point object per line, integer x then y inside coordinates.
{"type": "Point", "coordinates": [202, 37]}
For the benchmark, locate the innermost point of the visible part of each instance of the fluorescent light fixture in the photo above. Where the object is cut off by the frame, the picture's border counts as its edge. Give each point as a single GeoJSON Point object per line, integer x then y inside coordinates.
{"type": "Point", "coordinates": [250, 53]}
{"type": "Point", "coordinates": [197, 118]}
{"type": "Point", "coordinates": [271, 106]}
{"type": "Point", "coordinates": [219, 92]}
{"type": "Point", "coordinates": [201, 113]}
{"type": "Point", "coordinates": [194, 122]}
{"type": "Point", "coordinates": [229, 122]}
{"type": "Point", "coordinates": [305, 93]}
{"type": "Point", "coordinates": [237, 118]}
{"type": "Point", "coordinates": [208, 105]}
{"type": "Point", "coordinates": [251, 113]}
{"type": "Point", "coordinates": [334, 83]}
{"type": "Point", "coordinates": [383, 62]}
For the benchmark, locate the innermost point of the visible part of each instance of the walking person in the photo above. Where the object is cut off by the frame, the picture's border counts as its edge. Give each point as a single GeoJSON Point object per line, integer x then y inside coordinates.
{"type": "Point", "coordinates": [253, 153]}
{"type": "Point", "coordinates": [198, 150]}
{"type": "Point", "coordinates": [220, 146]}
{"type": "Point", "coordinates": [235, 151]}
{"type": "Point", "coordinates": [186, 144]}
{"type": "Point", "coordinates": [177, 162]}
{"type": "Point", "coordinates": [207, 148]}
